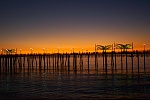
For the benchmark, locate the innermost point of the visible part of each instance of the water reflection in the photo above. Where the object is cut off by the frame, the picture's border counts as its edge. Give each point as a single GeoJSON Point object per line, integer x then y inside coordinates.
{"type": "Point", "coordinates": [62, 85]}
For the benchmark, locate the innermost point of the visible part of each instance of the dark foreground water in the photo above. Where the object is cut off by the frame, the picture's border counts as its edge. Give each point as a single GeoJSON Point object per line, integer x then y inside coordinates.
{"type": "Point", "coordinates": [64, 85]}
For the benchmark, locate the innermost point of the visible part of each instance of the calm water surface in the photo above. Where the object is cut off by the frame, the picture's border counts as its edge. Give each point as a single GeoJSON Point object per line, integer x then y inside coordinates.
{"type": "Point", "coordinates": [76, 85]}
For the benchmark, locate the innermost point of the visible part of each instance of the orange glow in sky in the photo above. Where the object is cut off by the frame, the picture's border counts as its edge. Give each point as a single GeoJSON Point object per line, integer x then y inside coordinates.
{"type": "Point", "coordinates": [66, 24]}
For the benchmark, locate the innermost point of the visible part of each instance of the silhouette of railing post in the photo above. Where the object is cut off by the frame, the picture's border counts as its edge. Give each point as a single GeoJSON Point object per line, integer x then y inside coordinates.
{"type": "Point", "coordinates": [112, 61]}
{"type": "Point", "coordinates": [115, 61]}
{"type": "Point", "coordinates": [36, 62]}
{"type": "Point", "coordinates": [68, 62]}
{"type": "Point", "coordinates": [32, 62]}
{"type": "Point", "coordinates": [60, 56]}
{"type": "Point", "coordinates": [75, 63]}
{"type": "Point", "coordinates": [121, 61]}
{"type": "Point", "coordinates": [103, 54]}
{"type": "Point", "coordinates": [115, 54]}
{"type": "Point", "coordinates": [126, 61]}
{"type": "Point", "coordinates": [137, 54]}
{"type": "Point", "coordinates": [63, 61]}
{"type": "Point", "coordinates": [95, 56]}
{"type": "Point", "coordinates": [81, 62]}
{"type": "Point", "coordinates": [3, 60]}
{"type": "Point", "coordinates": [6, 64]}
{"type": "Point", "coordinates": [16, 63]}
{"type": "Point", "coordinates": [24, 60]}
{"type": "Point", "coordinates": [144, 60]}
{"type": "Point", "coordinates": [43, 56]}
{"type": "Point", "coordinates": [132, 55]}
{"type": "Point", "coordinates": [58, 61]}
{"type": "Point", "coordinates": [13, 64]}
{"type": "Point", "coordinates": [49, 56]}
{"type": "Point", "coordinates": [17, 67]}
{"type": "Point", "coordinates": [0, 63]}
{"type": "Point", "coordinates": [96, 61]}
{"type": "Point", "coordinates": [53, 61]}
{"type": "Point", "coordinates": [105, 61]}
{"type": "Point", "coordinates": [20, 66]}
{"type": "Point", "coordinates": [88, 61]}
{"type": "Point", "coordinates": [10, 64]}
{"type": "Point", "coordinates": [28, 62]}
{"type": "Point", "coordinates": [132, 60]}
{"type": "Point", "coordinates": [40, 63]}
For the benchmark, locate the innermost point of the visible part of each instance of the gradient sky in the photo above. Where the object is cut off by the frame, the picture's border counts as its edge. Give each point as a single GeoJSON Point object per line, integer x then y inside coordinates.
{"type": "Point", "coordinates": [73, 23]}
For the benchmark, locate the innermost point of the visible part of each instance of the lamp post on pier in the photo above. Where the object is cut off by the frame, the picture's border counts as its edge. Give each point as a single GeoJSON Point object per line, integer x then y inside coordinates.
{"type": "Point", "coordinates": [20, 51]}
{"type": "Point", "coordinates": [2, 51]}
{"type": "Point", "coordinates": [144, 60]}
{"type": "Point", "coordinates": [54, 50]}
{"type": "Point", "coordinates": [43, 50]}
{"type": "Point", "coordinates": [31, 50]}
{"type": "Point", "coordinates": [144, 47]}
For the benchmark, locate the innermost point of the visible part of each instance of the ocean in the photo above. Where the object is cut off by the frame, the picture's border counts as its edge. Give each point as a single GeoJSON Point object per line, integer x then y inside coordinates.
{"type": "Point", "coordinates": [93, 84]}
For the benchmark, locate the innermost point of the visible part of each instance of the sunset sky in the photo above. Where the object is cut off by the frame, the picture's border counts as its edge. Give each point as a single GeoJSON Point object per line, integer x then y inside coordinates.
{"type": "Point", "coordinates": [50, 24]}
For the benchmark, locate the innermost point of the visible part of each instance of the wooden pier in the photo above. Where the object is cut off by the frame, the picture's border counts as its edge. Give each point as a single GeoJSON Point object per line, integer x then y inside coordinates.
{"type": "Point", "coordinates": [13, 63]}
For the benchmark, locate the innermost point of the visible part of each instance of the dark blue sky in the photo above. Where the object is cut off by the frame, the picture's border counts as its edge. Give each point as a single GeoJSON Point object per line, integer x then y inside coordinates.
{"type": "Point", "coordinates": [72, 22]}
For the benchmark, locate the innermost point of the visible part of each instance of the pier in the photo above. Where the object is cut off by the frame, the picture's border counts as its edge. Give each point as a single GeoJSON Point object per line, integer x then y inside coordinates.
{"type": "Point", "coordinates": [13, 63]}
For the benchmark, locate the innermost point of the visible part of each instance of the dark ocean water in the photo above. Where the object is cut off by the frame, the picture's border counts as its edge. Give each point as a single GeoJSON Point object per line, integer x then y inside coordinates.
{"type": "Point", "coordinates": [46, 85]}
{"type": "Point", "coordinates": [53, 84]}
